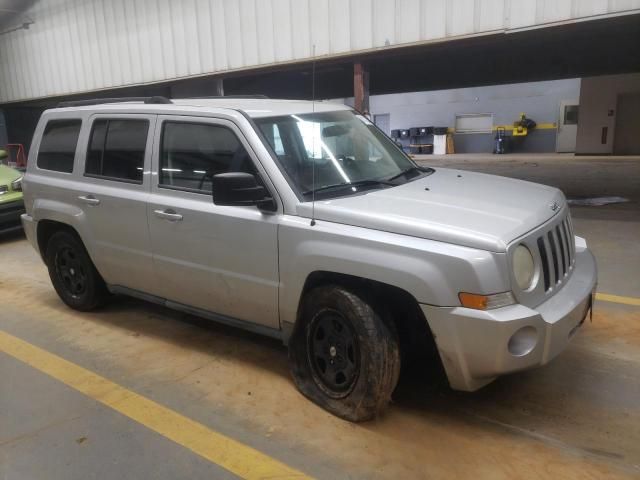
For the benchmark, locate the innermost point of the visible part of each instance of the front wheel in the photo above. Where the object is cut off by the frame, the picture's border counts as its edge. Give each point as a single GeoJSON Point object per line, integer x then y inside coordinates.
{"type": "Point", "coordinates": [344, 355]}
{"type": "Point", "coordinates": [74, 277]}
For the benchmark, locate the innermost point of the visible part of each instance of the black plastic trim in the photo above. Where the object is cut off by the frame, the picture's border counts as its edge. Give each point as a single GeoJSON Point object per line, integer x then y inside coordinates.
{"type": "Point", "coordinates": [113, 179]}
{"type": "Point", "coordinates": [216, 317]}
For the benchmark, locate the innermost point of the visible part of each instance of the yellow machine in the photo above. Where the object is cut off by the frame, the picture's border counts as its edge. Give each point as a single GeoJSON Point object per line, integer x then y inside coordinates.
{"type": "Point", "coordinates": [522, 126]}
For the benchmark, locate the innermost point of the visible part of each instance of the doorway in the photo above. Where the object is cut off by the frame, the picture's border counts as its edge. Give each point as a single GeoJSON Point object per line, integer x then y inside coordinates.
{"type": "Point", "coordinates": [626, 139]}
{"type": "Point", "coordinates": [567, 126]}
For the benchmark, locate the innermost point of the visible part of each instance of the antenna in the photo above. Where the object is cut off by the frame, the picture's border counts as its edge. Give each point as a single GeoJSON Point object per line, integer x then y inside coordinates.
{"type": "Point", "coordinates": [313, 141]}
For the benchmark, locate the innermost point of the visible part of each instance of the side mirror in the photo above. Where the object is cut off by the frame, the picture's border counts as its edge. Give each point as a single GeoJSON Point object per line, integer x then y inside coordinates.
{"type": "Point", "coordinates": [240, 189]}
{"type": "Point", "coordinates": [3, 154]}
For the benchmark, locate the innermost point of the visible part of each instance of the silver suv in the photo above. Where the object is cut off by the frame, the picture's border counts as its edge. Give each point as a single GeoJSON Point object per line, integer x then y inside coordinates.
{"type": "Point", "coordinates": [304, 222]}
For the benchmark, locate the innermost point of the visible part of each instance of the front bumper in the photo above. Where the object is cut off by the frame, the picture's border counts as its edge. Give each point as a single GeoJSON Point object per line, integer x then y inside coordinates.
{"type": "Point", "coordinates": [10, 215]}
{"type": "Point", "coordinates": [474, 344]}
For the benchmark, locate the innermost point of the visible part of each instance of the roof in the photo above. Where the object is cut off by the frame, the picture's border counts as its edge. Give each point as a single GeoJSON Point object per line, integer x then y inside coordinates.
{"type": "Point", "coordinates": [261, 107]}
{"type": "Point", "coordinates": [253, 107]}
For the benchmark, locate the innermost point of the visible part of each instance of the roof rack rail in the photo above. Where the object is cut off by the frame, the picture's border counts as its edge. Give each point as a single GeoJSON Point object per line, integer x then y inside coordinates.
{"type": "Point", "coordinates": [258, 96]}
{"type": "Point", "coordinates": [252, 96]}
{"type": "Point", "coordinates": [100, 101]}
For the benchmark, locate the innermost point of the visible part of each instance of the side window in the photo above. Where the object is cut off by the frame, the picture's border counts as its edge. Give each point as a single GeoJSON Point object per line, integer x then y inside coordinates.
{"type": "Point", "coordinates": [192, 153]}
{"type": "Point", "coordinates": [116, 149]}
{"type": "Point", "coordinates": [58, 145]}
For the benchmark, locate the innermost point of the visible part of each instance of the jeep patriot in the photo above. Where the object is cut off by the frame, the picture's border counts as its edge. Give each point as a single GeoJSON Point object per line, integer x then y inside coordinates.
{"type": "Point", "coordinates": [303, 221]}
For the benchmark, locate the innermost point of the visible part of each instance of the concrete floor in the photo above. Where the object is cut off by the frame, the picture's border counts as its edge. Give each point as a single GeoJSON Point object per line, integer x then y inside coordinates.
{"type": "Point", "coordinates": [578, 417]}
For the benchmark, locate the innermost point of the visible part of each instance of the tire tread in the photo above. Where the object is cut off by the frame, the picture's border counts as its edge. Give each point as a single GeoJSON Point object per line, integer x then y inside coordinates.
{"type": "Point", "coordinates": [373, 391]}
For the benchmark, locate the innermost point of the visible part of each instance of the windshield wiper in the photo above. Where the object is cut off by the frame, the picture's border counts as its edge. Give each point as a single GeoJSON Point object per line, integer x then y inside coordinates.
{"type": "Point", "coordinates": [359, 183]}
{"type": "Point", "coordinates": [413, 168]}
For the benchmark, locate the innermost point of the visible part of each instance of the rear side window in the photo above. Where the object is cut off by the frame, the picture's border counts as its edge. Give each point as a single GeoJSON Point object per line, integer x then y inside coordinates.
{"type": "Point", "coordinates": [116, 149]}
{"type": "Point", "coordinates": [192, 153]}
{"type": "Point", "coordinates": [58, 145]}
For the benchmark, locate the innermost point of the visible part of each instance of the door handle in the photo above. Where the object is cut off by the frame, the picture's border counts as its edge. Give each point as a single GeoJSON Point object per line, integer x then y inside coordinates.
{"type": "Point", "coordinates": [168, 214]}
{"type": "Point", "coordinates": [89, 199]}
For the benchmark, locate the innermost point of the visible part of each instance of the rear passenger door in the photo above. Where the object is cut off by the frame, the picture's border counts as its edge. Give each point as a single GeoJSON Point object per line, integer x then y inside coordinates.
{"type": "Point", "coordinates": [113, 196]}
{"type": "Point", "coordinates": [217, 258]}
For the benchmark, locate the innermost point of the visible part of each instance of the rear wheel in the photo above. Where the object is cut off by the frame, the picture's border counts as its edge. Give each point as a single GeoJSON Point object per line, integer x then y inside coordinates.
{"type": "Point", "coordinates": [344, 356]}
{"type": "Point", "coordinates": [74, 277]}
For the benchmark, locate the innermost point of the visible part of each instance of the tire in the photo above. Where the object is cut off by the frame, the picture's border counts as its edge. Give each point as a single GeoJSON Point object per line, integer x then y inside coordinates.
{"type": "Point", "coordinates": [355, 341]}
{"type": "Point", "coordinates": [72, 273]}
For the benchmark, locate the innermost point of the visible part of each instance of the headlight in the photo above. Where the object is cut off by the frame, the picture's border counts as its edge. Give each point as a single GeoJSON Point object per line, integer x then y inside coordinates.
{"type": "Point", "coordinates": [16, 185]}
{"type": "Point", "coordinates": [3, 189]}
{"type": "Point", "coordinates": [523, 267]}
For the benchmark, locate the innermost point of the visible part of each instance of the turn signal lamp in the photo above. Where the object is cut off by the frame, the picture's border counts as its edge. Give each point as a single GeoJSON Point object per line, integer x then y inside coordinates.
{"type": "Point", "coordinates": [486, 302]}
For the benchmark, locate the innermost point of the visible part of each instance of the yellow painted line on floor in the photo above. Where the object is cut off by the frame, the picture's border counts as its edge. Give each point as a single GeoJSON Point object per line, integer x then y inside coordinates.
{"type": "Point", "coordinates": [226, 452]}
{"type": "Point", "coordinates": [605, 297]}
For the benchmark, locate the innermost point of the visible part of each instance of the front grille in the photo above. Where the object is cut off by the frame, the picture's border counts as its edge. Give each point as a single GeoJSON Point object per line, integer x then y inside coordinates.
{"type": "Point", "coordinates": [557, 253]}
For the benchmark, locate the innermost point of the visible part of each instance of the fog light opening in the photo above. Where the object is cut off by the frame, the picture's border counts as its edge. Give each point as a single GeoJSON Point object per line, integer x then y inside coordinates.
{"type": "Point", "coordinates": [523, 341]}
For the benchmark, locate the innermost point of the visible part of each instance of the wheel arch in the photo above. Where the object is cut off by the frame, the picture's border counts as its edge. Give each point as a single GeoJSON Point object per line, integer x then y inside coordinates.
{"type": "Point", "coordinates": [414, 333]}
{"type": "Point", "coordinates": [53, 215]}
{"type": "Point", "coordinates": [47, 228]}
{"type": "Point", "coordinates": [83, 293]}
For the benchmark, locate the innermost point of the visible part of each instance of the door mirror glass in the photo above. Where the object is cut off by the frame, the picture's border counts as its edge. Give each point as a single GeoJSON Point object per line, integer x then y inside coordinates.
{"type": "Point", "coordinates": [240, 189]}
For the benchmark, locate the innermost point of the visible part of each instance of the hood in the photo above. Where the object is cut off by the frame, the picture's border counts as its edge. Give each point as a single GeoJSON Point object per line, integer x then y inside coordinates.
{"type": "Point", "coordinates": [460, 207]}
{"type": "Point", "coordinates": [8, 175]}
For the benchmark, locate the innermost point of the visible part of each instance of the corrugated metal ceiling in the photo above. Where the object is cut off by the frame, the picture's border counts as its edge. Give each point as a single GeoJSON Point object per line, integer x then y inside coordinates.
{"type": "Point", "coordinates": [78, 45]}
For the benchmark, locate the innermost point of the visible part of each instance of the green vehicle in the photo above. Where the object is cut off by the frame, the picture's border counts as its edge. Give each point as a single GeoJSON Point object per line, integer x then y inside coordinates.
{"type": "Point", "coordinates": [11, 203]}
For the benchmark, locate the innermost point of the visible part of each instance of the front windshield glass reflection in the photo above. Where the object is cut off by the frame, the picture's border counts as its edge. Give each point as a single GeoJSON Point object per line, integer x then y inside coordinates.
{"type": "Point", "coordinates": [334, 149]}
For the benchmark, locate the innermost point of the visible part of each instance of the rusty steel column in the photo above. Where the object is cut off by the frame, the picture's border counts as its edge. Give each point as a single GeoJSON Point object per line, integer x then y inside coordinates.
{"type": "Point", "coordinates": [218, 87]}
{"type": "Point", "coordinates": [361, 87]}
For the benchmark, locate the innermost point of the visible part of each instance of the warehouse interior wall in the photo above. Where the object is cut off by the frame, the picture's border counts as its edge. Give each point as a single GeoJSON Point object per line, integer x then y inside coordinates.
{"type": "Point", "coordinates": [598, 109]}
{"type": "Point", "coordinates": [21, 123]}
{"type": "Point", "coordinates": [626, 139]}
{"type": "Point", "coordinates": [540, 101]}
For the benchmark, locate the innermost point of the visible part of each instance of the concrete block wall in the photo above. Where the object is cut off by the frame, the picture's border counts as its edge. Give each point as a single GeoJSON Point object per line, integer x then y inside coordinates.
{"type": "Point", "coordinates": [540, 101]}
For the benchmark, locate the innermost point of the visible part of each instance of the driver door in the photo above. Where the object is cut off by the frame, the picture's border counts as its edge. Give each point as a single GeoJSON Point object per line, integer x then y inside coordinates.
{"type": "Point", "coordinates": [222, 259]}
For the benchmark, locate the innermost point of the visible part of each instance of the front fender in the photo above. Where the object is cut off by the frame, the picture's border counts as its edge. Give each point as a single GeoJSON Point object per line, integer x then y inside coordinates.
{"type": "Point", "coordinates": [432, 272]}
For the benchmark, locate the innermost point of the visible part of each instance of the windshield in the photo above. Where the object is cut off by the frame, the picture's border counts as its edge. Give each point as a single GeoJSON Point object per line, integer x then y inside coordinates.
{"type": "Point", "coordinates": [335, 153]}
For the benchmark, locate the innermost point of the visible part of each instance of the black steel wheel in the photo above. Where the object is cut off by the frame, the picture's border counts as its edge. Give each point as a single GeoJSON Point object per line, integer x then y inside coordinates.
{"type": "Point", "coordinates": [344, 353]}
{"type": "Point", "coordinates": [333, 353]}
{"type": "Point", "coordinates": [72, 273]}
